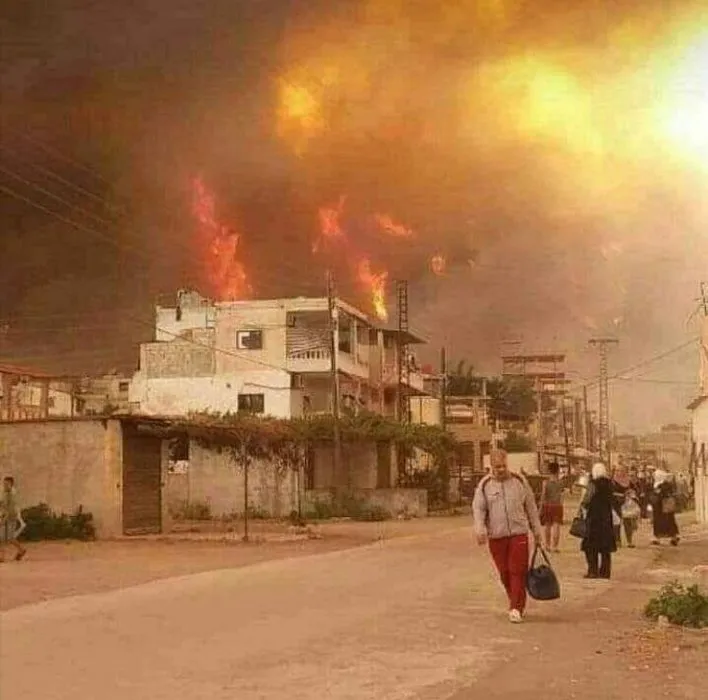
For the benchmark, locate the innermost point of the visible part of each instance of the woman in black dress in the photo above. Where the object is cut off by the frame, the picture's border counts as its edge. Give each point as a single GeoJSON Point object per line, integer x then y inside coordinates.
{"type": "Point", "coordinates": [599, 542]}
{"type": "Point", "coordinates": [663, 505]}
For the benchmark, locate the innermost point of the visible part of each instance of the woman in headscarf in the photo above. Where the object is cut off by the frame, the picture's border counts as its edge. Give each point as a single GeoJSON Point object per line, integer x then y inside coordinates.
{"type": "Point", "coordinates": [663, 504]}
{"type": "Point", "coordinates": [620, 486]}
{"type": "Point", "coordinates": [599, 541]}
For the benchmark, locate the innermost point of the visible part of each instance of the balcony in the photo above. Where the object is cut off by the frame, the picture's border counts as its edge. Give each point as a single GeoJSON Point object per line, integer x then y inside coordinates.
{"type": "Point", "coordinates": [390, 377]}
{"type": "Point", "coordinates": [318, 360]}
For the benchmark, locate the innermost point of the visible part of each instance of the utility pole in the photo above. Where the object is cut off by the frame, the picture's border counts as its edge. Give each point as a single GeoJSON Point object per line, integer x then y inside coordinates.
{"type": "Point", "coordinates": [603, 346]}
{"type": "Point", "coordinates": [566, 438]}
{"type": "Point", "coordinates": [541, 438]}
{"type": "Point", "coordinates": [704, 298]}
{"type": "Point", "coordinates": [443, 388]}
{"type": "Point", "coordinates": [334, 372]}
{"type": "Point", "coordinates": [404, 370]}
{"type": "Point", "coordinates": [586, 420]}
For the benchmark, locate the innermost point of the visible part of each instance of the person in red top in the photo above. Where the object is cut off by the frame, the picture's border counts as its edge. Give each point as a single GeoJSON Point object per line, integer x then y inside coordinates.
{"type": "Point", "coordinates": [505, 511]}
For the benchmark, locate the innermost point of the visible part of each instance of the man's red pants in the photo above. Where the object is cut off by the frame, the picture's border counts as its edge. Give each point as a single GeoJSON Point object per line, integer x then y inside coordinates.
{"type": "Point", "coordinates": [511, 556]}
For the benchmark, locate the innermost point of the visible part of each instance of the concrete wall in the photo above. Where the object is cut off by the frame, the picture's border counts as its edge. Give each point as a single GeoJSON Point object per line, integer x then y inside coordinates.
{"type": "Point", "coordinates": [702, 498]}
{"type": "Point", "coordinates": [213, 478]}
{"type": "Point", "coordinates": [699, 426]}
{"type": "Point", "coordinates": [177, 358]}
{"type": "Point", "coordinates": [179, 396]}
{"type": "Point", "coordinates": [699, 432]}
{"type": "Point", "coordinates": [67, 464]}
{"type": "Point", "coordinates": [413, 502]}
{"type": "Point", "coordinates": [359, 467]}
{"type": "Point", "coordinates": [193, 314]}
{"type": "Point", "coordinates": [271, 320]}
{"type": "Point", "coordinates": [425, 410]}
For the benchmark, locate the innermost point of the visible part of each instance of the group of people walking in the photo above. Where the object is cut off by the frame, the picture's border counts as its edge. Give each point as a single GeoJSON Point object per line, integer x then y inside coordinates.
{"type": "Point", "coordinates": [610, 506]}
{"type": "Point", "coordinates": [506, 515]}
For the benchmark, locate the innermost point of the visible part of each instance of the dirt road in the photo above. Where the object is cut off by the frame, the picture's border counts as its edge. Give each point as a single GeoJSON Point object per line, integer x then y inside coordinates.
{"type": "Point", "coordinates": [60, 569]}
{"type": "Point", "coordinates": [412, 617]}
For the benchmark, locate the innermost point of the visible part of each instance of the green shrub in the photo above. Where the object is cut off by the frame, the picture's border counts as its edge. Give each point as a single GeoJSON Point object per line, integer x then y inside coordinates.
{"type": "Point", "coordinates": [680, 605]}
{"type": "Point", "coordinates": [43, 524]}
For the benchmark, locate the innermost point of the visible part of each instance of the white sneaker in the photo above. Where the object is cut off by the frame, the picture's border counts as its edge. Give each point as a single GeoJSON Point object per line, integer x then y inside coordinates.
{"type": "Point", "coordinates": [515, 616]}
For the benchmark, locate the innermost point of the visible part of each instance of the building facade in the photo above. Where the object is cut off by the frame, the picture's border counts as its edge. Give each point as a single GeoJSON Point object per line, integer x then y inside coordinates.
{"type": "Point", "coordinates": [271, 357]}
{"type": "Point", "coordinates": [26, 394]}
{"type": "Point", "coordinates": [699, 432]}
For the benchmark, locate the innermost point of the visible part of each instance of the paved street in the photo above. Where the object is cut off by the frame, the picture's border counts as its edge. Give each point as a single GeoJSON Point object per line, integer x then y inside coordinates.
{"type": "Point", "coordinates": [416, 617]}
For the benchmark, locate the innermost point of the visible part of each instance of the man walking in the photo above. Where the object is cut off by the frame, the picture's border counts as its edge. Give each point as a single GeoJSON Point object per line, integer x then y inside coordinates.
{"type": "Point", "coordinates": [10, 519]}
{"type": "Point", "coordinates": [505, 510]}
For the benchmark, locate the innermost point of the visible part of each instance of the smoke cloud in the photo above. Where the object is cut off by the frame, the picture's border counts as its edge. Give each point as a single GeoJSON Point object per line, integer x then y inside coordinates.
{"type": "Point", "coordinates": [545, 149]}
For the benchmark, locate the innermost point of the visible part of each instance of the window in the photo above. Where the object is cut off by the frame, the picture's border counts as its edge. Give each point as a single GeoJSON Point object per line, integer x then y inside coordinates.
{"type": "Point", "coordinates": [123, 387]}
{"type": "Point", "coordinates": [179, 449]}
{"type": "Point", "coordinates": [51, 403]}
{"type": "Point", "coordinates": [249, 340]}
{"type": "Point", "coordinates": [251, 403]}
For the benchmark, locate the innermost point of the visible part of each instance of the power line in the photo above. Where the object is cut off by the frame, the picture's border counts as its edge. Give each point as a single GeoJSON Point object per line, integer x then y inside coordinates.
{"type": "Point", "coordinates": [69, 222]}
{"type": "Point", "coordinates": [62, 156]}
{"type": "Point", "coordinates": [92, 231]}
{"type": "Point", "coordinates": [655, 381]}
{"type": "Point", "coordinates": [67, 183]}
{"type": "Point", "coordinates": [639, 365]}
{"type": "Point", "coordinates": [56, 197]}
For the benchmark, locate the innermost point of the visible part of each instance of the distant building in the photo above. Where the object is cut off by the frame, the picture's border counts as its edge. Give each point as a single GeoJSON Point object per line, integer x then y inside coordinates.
{"type": "Point", "coordinates": [467, 418]}
{"type": "Point", "coordinates": [107, 394]}
{"type": "Point", "coordinates": [271, 357]}
{"type": "Point", "coordinates": [671, 445]}
{"type": "Point", "coordinates": [27, 394]}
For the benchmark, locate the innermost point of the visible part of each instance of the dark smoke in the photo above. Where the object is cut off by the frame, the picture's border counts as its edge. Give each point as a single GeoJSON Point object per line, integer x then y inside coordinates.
{"type": "Point", "coordinates": [150, 96]}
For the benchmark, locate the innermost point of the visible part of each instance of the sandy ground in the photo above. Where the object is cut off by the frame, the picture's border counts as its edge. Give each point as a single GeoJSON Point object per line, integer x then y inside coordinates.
{"type": "Point", "coordinates": [59, 569]}
{"type": "Point", "coordinates": [417, 614]}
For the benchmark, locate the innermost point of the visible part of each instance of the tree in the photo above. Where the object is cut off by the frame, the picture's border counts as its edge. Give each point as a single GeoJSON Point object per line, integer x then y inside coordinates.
{"type": "Point", "coordinates": [463, 381]}
{"type": "Point", "coordinates": [511, 399]}
{"type": "Point", "coordinates": [516, 442]}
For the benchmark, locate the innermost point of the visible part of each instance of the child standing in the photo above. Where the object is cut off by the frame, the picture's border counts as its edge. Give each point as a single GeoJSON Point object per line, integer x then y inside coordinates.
{"type": "Point", "coordinates": [10, 520]}
{"type": "Point", "coordinates": [631, 514]}
{"type": "Point", "coordinates": [552, 507]}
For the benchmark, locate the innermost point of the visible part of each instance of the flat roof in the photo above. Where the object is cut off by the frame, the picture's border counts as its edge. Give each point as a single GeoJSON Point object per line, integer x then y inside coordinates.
{"type": "Point", "coordinates": [311, 304]}
{"type": "Point", "coordinates": [29, 372]}
{"type": "Point", "coordinates": [537, 357]}
{"type": "Point", "coordinates": [557, 377]}
{"type": "Point", "coordinates": [409, 337]}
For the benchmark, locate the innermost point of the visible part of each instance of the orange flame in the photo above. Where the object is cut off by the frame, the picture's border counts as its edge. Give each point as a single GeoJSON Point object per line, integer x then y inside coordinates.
{"type": "Point", "coordinates": [330, 227]}
{"type": "Point", "coordinates": [225, 272]}
{"type": "Point", "coordinates": [375, 284]}
{"type": "Point", "coordinates": [389, 226]}
{"type": "Point", "coordinates": [438, 264]}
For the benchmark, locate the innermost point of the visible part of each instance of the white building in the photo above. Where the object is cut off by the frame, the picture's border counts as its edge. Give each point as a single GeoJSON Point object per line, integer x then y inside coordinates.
{"type": "Point", "coordinates": [699, 432]}
{"type": "Point", "coordinates": [266, 356]}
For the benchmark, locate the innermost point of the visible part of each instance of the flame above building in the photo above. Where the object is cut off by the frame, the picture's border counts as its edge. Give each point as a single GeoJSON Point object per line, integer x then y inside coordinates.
{"type": "Point", "coordinates": [219, 248]}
